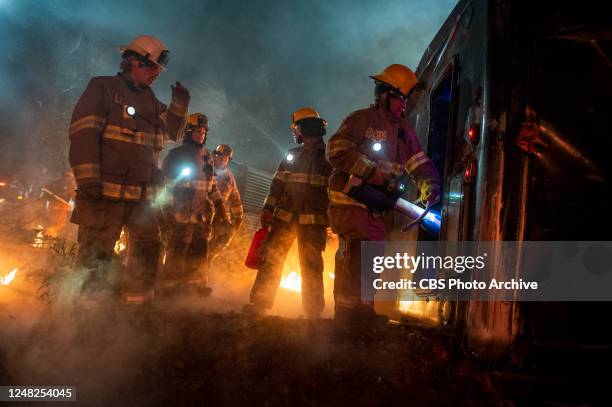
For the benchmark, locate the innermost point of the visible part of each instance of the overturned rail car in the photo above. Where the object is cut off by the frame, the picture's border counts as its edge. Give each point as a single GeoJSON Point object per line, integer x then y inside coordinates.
{"type": "Point", "coordinates": [496, 71]}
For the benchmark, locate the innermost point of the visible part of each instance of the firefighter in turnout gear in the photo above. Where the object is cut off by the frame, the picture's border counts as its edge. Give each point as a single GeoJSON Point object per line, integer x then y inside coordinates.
{"type": "Point", "coordinates": [223, 232]}
{"type": "Point", "coordinates": [117, 131]}
{"type": "Point", "coordinates": [194, 200]}
{"type": "Point", "coordinates": [375, 145]}
{"type": "Point", "coordinates": [296, 206]}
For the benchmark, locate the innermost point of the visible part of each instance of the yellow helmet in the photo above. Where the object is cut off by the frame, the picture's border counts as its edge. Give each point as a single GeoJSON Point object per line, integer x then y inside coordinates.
{"type": "Point", "coordinates": [305, 113]}
{"type": "Point", "coordinates": [224, 150]}
{"type": "Point", "coordinates": [399, 77]}
{"type": "Point", "coordinates": [197, 120]}
{"type": "Point", "coordinates": [149, 48]}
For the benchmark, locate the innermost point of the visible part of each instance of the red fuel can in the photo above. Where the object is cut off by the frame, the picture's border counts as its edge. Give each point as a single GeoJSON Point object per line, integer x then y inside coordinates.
{"type": "Point", "coordinates": [253, 259]}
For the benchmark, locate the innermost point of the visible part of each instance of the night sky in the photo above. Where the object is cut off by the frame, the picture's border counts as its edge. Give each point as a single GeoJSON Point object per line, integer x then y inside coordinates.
{"type": "Point", "coordinates": [248, 64]}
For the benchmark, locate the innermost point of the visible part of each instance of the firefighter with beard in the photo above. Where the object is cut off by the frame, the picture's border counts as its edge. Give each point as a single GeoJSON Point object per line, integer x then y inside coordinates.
{"type": "Point", "coordinates": [376, 146]}
{"type": "Point", "coordinates": [296, 207]}
{"type": "Point", "coordinates": [117, 131]}
{"type": "Point", "coordinates": [194, 200]}
{"type": "Point", "coordinates": [223, 232]}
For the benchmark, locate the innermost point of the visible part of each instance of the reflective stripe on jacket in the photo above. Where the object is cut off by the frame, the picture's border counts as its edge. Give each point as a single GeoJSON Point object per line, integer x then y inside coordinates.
{"type": "Point", "coordinates": [368, 139]}
{"type": "Point", "coordinates": [116, 134]}
{"type": "Point", "coordinates": [226, 182]}
{"type": "Point", "coordinates": [191, 183]}
{"type": "Point", "coordinates": [299, 186]}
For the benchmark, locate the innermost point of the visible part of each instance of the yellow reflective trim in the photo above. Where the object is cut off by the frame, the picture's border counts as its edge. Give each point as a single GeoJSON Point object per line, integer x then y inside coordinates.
{"type": "Point", "coordinates": [416, 160]}
{"type": "Point", "coordinates": [283, 215]}
{"type": "Point", "coordinates": [338, 146]}
{"type": "Point", "coordinates": [87, 122]}
{"type": "Point", "coordinates": [118, 191]}
{"type": "Point", "coordinates": [361, 167]}
{"type": "Point", "coordinates": [132, 192]}
{"type": "Point", "coordinates": [312, 219]}
{"type": "Point", "coordinates": [303, 178]}
{"type": "Point", "coordinates": [111, 190]}
{"type": "Point", "coordinates": [339, 198]}
{"type": "Point", "coordinates": [117, 133]}
{"type": "Point", "coordinates": [88, 170]}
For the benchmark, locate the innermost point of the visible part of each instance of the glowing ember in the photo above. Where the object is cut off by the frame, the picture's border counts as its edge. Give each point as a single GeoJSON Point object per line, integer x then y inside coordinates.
{"type": "Point", "coordinates": [6, 280]}
{"type": "Point", "coordinates": [121, 244]}
{"type": "Point", "coordinates": [425, 310]}
{"type": "Point", "coordinates": [292, 282]}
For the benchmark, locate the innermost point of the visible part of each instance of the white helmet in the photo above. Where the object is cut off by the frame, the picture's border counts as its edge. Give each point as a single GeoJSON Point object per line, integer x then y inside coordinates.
{"type": "Point", "coordinates": [149, 49]}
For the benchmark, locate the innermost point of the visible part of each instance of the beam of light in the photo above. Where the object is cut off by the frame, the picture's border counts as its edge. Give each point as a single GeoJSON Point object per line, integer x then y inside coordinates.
{"type": "Point", "coordinates": [565, 146]}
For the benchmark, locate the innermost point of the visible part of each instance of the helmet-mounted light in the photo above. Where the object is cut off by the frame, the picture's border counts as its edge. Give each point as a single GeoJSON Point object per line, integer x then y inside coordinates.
{"type": "Point", "coordinates": [185, 172]}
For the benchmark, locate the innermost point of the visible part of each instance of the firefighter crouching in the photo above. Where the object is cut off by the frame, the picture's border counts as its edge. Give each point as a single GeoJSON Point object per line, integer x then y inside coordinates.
{"type": "Point", "coordinates": [193, 193]}
{"type": "Point", "coordinates": [223, 232]}
{"type": "Point", "coordinates": [296, 206]}
{"type": "Point", "coordinates": [376, 145]}
{"type": "Point", "coordinates": [117, 130]}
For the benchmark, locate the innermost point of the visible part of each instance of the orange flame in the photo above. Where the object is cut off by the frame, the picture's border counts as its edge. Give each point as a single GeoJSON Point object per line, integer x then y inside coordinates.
{"type": "Point", "coordinates": [121, 244]}
{"type": "Point", "coordinates": [6, 280]}
{"type": "Point", "coordinates": [292, 282]}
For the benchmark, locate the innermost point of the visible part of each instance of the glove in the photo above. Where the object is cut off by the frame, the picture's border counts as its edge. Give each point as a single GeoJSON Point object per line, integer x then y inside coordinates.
{"type": "Point", "coordinates": [91, 192]}
{"type": "Point", "coordinates": [430, 194]}
{"type": "Point", "coordinates": [180, 94]}
{"type": "Point", "coordinates": [266, 217]}
{"type": "Point", "coordinates": [376, 178]}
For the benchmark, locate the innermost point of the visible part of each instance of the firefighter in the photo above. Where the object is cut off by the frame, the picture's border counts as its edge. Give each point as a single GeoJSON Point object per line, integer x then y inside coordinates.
{"type": "Point", "coordinates": [194, 201]}
{"type": "Point", "coordinates": [118, 129]}
{"type": "Point", "coordinates": [296, 206]}
{"type": "Point", "coordinates": [223, 232]}
{"type": "Point", "coordinates": [375, 145]}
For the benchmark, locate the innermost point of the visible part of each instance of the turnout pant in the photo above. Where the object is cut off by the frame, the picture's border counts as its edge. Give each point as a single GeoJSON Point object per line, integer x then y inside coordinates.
{"type": "Point", "coordinates": [222, 235]}
{"type": "Point", "coordinates": [354, 225]}
{"type": "Point", "coordinates": [311, 244]}
{"type": "Point", "coordinates": [187, 253]}
{"type": "Point", "coordinates": [100, 222]}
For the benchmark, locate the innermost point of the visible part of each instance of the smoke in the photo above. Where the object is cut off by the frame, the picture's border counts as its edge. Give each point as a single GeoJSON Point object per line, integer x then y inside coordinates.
{"type": "Point", "coordinates": [248, 66]}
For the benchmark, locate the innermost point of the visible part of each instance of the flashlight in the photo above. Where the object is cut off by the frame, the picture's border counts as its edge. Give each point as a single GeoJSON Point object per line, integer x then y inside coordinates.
{"type": "Point", "coordinates": [377, 146]}
{"type": "Point", "coordinates": [130, 110]}
{"type": "Point", "coordinates": [289, 157]}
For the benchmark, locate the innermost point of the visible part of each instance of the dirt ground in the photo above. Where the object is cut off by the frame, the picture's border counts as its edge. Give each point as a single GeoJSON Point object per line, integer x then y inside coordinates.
{"type": "Point", "coordinates": [201, 351]}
